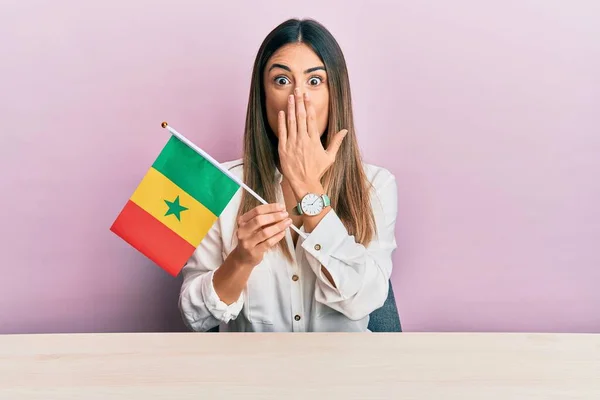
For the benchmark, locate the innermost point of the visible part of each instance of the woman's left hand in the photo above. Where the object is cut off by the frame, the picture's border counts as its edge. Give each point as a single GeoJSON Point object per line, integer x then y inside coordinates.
{"type": "Point", "coordinates": [303, 159]}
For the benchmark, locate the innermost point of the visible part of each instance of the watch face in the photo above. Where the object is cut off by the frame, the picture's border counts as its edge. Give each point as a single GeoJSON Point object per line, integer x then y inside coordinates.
{"type": "Point", "coordinates": [312, 204]}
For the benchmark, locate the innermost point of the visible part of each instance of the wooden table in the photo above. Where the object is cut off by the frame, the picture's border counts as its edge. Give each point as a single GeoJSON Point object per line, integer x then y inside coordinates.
{"type": "Point", "coordinates": [300, 366]}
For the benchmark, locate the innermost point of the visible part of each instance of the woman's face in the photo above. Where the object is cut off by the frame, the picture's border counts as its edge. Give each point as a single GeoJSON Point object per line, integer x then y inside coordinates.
{"type": "Point", "coordinates": [296, 66]}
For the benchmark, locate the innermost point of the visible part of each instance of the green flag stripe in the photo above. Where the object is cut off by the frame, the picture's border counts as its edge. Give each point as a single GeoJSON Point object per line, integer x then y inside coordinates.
{"type": "Point", "coordinates": [196, 175]}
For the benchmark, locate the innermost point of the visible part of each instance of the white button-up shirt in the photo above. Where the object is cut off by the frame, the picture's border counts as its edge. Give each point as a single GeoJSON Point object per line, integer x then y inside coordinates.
{"type": "Point", "coordinates": [283, 296]}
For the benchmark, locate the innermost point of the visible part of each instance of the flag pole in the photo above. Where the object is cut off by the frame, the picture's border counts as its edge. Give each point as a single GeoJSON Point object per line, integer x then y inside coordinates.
{"type": "Point", "coordinates": [222, 169]}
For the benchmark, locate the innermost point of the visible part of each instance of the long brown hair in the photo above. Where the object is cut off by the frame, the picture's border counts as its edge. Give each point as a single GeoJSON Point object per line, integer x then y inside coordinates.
{"type": "Point", "coordinates": [345, 182]}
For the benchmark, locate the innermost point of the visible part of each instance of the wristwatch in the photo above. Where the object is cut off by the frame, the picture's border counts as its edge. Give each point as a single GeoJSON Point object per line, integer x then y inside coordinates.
{"type": "Point", "coordinates": [312, 204]}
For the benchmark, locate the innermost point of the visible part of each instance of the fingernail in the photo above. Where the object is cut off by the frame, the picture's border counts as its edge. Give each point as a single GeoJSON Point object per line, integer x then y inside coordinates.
{"type": "Point", "coordinates": [306, 95]}
{"type": "Point", "coordinates": [288, 221]}
{"type": "Point", "coordinates": [280, 206]}
{"type": "Point", "coordinates": [291, 98]}
{"type": "Point", "coordinates": [284, 214]}
{"type": "Point", "coordinates": [297, 91]}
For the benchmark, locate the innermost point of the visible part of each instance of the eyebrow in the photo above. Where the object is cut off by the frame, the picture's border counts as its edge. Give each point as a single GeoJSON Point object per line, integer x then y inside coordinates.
{"type": "Point", "coordinates": [308, 71]}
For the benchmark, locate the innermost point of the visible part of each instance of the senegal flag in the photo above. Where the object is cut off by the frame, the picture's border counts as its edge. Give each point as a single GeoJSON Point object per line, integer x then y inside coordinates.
{"type": "Point", "coordinates": [174, 206]}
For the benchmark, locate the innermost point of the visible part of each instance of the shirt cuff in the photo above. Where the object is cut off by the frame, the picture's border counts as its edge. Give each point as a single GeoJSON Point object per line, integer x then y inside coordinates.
{"type": "Point", "coordinates": [322, 242]}
{"type": "Point", "coordinates": [215, 305]}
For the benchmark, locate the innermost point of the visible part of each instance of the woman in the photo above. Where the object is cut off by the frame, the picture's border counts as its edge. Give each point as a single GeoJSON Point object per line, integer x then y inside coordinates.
{"type": "Point", "coordinates": [252, 273]}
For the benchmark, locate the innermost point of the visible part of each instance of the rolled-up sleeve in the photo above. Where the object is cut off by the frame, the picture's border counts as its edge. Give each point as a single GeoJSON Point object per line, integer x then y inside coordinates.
{"type": "Point", "coordinates": [361, 274]}
{"type": "Point", "coordinates": [199, 303]}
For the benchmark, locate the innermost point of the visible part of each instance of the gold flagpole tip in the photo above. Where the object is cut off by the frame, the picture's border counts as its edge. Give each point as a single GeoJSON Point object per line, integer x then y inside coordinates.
{"type": "Point", "coordinates": [164, 124]}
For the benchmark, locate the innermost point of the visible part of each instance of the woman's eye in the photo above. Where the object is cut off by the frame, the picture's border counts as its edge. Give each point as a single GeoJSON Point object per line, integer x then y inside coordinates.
{"type": "Point", "coordinates": [314, 81]}
{"type": "Point", "coordinates": [281, 80]}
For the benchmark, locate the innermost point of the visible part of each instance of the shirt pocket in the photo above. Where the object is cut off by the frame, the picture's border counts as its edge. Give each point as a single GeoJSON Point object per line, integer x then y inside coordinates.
{"type": "Point", "coordinates": [259, 301]}
{"type": "Point", "coordinates": [323, 311]}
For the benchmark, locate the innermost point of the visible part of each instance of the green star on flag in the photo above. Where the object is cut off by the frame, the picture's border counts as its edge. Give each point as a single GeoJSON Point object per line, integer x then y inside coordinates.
{"type": "Point", "coordinates": [175, 208]}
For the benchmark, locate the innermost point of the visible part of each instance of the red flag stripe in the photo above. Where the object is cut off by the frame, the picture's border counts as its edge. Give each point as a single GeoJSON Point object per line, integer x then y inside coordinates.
{"type": "Point", "coordinates": [152, 238]}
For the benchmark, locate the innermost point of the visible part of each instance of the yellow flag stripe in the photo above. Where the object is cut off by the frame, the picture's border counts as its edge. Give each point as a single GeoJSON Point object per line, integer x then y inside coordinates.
{"type": "Point", "coordinates": [152, 195]}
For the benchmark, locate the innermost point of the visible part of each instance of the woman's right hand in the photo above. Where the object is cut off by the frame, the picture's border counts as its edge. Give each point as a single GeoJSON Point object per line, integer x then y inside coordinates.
{"type": "Point", "coordinates": [258, 230]}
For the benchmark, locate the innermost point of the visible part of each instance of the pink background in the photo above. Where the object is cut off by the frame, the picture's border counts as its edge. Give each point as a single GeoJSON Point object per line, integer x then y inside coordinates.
{"type": "Point", "coordinates": [488, 113]}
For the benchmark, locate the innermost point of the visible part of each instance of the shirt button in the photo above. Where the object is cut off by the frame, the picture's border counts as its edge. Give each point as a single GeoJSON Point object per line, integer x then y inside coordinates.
{"type": "Point", "coordinates": [295, 278]}
{"type": "Point", "coordinates": [317, 247]}
{"type": "Point", "coordinates": [297, 317]}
